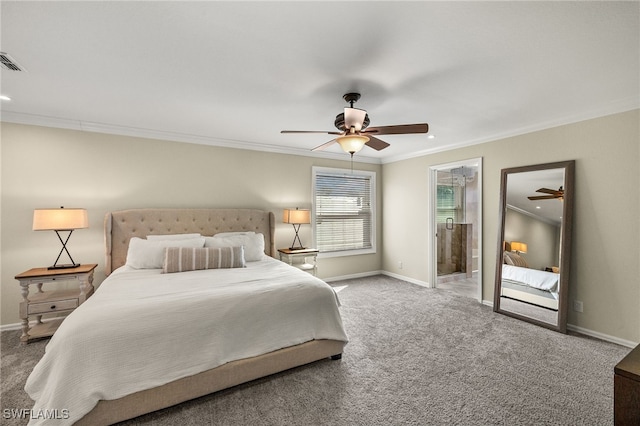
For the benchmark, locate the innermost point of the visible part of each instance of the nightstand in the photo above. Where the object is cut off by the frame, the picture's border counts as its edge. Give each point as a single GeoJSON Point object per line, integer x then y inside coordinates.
{"type": "Point", "coordinates": [52, 300]}
{"type": "Point", "coordinates": [305, 259]}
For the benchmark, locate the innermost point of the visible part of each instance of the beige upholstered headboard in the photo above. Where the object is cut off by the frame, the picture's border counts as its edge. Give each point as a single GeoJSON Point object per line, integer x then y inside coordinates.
{"type": "Point", "coordinates": [120, 226]}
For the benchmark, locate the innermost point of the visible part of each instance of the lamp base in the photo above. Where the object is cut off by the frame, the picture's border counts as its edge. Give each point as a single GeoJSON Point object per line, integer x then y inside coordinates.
{"type": "Point", "coordinates": [297, 248]}
{"type": "Point", "coordinates": [66, 266]}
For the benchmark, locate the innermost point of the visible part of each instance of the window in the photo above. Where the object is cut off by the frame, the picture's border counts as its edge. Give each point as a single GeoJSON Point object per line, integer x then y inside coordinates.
{"type": "Point", "coordinates": [343, 213]}
{"type": "Point", "coordinates": [449, 204]}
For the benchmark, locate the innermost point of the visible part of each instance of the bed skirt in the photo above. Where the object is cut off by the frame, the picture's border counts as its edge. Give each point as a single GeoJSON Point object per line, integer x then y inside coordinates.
{"type": "Point", "coordinates": [216, 379]}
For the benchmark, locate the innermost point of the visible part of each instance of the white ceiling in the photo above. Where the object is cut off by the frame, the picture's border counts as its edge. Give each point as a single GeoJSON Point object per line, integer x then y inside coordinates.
{"type": "Point", "coordinates": [236, 73]}
{"type": "Point", "coordinates": [524, 184]}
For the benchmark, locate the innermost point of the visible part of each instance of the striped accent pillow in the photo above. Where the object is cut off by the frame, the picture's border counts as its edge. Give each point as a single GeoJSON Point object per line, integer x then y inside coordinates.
{"type": "Point", "coordinates": [182, 259]}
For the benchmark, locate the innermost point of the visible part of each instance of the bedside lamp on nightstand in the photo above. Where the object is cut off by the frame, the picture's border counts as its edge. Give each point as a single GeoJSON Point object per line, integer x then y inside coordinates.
{"type": "Point", "coordinates": [296, 217]}
{"type": "Point", "coordinates": [519, 247]}
{"type": "Point", "coordinates": [60, 220]}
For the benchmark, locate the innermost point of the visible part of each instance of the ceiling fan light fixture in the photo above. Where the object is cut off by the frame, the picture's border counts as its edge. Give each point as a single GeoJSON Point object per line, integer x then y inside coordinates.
{"type": "Point", "coordinates": [352, 143]}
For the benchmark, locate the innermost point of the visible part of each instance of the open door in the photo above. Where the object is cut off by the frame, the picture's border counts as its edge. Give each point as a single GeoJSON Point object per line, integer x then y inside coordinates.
{"type": "Point", "coordinates": [456, 223]}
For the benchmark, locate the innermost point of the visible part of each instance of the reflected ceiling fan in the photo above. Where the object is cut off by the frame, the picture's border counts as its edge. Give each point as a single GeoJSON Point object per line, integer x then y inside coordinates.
{"type": "Point", "coordinates": [552, 194]}
{"type": "Point", "coordinates": [354, 132]}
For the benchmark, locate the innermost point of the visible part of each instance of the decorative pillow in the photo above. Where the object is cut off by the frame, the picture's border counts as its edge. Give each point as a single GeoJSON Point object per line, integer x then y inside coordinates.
{"type": "Point", "coordinates": [149, 254]}
{"type": "Point", "coordinates": [253, 244]}
{"type": "Point", "coordinates": [173, 237]}
{"type": "Point", "coordinates": [182, 259]}
{"type": "Point", "coordinates": [515, 259]}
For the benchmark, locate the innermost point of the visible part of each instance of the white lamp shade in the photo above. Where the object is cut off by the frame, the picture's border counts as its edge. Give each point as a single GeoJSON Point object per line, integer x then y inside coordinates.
{"type": "Point", "coordinates": [352, 143]}
{"type": "Point", "coordinates": [297, 216]}
{"type": "Point", "coordinates": [59, 219]}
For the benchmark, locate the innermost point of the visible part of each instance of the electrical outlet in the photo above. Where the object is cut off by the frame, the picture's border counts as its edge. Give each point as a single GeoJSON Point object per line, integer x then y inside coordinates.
{"type": "Point", "coordinates": [577, 306]}
{"type": "Point", "coordinates": [400, 264]}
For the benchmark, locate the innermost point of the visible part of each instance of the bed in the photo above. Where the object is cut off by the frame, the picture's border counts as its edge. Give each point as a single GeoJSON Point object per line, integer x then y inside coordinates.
{"type": "Point", "coordinates": [183, 331]}
{"type": "Point", "coordinates": [532, 286]}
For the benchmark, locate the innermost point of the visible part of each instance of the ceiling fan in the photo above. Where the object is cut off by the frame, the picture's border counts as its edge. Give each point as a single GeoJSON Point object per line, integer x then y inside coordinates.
{"type": "Point", "coordinates": [354, 132]}
{"type": "Point", "coordinates": [559, 194]}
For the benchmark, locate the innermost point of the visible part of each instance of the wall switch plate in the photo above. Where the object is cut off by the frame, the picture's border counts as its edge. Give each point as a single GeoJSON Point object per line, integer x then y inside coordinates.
{"type": "Point", "coordinates": [577, 306]}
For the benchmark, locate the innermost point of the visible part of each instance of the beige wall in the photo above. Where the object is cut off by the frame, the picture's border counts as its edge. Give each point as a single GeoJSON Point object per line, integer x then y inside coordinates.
{"type": "Point", "coordinates": [542, 238]}
{"type": "Point", "coordinates": [605, 273]}
{"type": "Point", "coordinates": [46, 167]}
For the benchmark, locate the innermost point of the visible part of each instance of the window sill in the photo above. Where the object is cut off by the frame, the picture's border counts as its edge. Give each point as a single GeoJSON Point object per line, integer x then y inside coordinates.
{"type": "Point", "coordinates": [342, 253]}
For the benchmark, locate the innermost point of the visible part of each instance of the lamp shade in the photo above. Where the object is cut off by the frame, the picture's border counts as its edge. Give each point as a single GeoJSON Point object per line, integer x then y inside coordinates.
{"type": "Point", "coordinates": [59, 219]}
{"type": "Point", "coordinates": [352, 143]}
{"type": "Point", "coordinates": [297, 216]}
{"type": "Point", "coordinates": [518, 246]}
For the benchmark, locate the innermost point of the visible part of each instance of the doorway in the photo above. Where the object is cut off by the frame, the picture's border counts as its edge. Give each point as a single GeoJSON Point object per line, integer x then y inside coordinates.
{"type": "Point", "coordinates": [456, 227]}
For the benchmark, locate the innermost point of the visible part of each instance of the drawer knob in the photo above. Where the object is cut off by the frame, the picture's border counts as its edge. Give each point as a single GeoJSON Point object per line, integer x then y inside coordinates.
{"type": "Point", "coordinates": [53, 306]}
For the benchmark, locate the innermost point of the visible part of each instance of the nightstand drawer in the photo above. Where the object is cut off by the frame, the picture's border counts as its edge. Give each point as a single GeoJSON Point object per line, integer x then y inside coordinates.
{"type": "Point", "coordinates": [51, 280]}
{"type": "Point", "coordinates": [53, 306]}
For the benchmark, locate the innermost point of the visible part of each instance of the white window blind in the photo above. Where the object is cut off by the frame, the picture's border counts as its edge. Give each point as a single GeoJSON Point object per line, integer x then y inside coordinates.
{"type": "Point", "coordinates": [344, 211]}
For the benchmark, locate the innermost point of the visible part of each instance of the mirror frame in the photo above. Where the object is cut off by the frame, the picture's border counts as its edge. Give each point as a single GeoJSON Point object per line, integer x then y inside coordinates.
{"type": "Point", "coordinates": [565, 242]}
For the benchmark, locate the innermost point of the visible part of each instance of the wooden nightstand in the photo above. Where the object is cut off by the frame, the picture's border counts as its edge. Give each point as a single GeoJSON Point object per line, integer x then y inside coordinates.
{"type": "Point", "coordinates": [305, 259]}
{"type": "Point", "coordinates": [52, 300]}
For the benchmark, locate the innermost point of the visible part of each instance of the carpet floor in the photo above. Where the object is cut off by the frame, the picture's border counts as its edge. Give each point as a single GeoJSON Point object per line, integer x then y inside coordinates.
{"type": "Point", "coordinates": [416, 356]}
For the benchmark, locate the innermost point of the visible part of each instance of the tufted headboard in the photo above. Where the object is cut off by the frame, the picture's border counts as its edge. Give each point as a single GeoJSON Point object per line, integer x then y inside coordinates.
{"type": "Point", "coordinates": [120, 226]}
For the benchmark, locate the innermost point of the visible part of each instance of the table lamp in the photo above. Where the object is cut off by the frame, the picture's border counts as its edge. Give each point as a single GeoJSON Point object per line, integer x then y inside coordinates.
{"type": "Point", "coordinates": [296, 217]}
{"type": "Point", "coordinates": [60, 220]}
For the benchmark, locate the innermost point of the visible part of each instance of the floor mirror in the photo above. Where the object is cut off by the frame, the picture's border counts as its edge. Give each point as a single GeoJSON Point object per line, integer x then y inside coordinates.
{"type": "Point", "coordinates": [534, 243]}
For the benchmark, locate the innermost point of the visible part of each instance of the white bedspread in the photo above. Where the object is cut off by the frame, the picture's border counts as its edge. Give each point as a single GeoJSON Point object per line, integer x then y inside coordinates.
{"type": "Point", "coordinates": [142, 329]}
{"type": "Point", "coordinates": [532, 277]}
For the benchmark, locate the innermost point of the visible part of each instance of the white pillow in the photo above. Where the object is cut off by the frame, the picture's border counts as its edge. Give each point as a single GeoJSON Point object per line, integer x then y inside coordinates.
{"type": "Point", "coordinates": [173, 237]}
{"type": "Point", "coordinates": [149, 254]}
{"type": "Point", "coordinates": [229, 234]}
{"type": "Point", "coordinates": [253, 244]}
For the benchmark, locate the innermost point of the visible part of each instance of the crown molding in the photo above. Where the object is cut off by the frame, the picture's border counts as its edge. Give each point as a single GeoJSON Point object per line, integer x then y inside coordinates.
{"type": "Point", "coordinates": [611, 108]}
{"type": "Point", "coordinates": [616, 107]}
{"type": "Point", "coordinates": [86, 126]}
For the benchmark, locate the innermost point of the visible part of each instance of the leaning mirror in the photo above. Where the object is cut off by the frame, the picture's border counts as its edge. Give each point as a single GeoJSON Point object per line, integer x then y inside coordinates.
{"type": "Point", "coordinates": [534, 244]}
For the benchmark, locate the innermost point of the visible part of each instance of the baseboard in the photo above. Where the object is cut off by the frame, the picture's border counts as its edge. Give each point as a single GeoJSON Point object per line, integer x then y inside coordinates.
{"type": "Point", "coordinates": [352, 276]}
{"type": "Point", "coordinates": [373, 273]}
{"type": "Point", "coordinates": [10, 327]}
{"type": "Point", "coordinates": [407, 279]}
{"type": "Point", "coordinates": [602, 336]}
{"type": "Point", "coordinates": [590, 333]}
{"type": "Point", "coordinates": [571, 327]}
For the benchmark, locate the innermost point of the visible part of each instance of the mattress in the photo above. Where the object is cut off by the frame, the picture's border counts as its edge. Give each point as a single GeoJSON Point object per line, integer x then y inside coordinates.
{"type": "Point", "coordinates": [142, 329]}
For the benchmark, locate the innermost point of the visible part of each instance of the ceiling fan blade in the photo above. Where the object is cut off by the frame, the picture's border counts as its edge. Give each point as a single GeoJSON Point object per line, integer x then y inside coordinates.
{"type": "Point", "coordinates": [543, 197]}
{"type": "Point", "coordinates": [398, 130]}
{"type": "Point", "coordinates": [311, 131]}
{"type": "Point", "coordinates": [325, 145]}
{"type": "Point", "coordinates": [547, 191]}
{"type": "Point", "coordinates": [354, 117]}
{"type": "Point", "coordinates": [376, 143]}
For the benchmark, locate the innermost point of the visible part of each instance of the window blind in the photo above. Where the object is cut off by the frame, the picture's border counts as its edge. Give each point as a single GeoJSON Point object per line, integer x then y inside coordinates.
{"type": "Point", "coordinates": [449, 204]}
{"type": "Point", "coordinates": [343, 212]}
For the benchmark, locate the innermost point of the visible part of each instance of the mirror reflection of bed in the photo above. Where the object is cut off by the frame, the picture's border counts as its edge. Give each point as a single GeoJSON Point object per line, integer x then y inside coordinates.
{"type": "Point", "coordinates": [534, 244]}
{"type": "Point", "coordinates": [530, 292]}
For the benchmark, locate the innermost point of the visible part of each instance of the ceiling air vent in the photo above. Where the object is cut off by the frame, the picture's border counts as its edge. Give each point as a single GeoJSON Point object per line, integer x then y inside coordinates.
{"type": "Point", "coordinates": [8, 63]}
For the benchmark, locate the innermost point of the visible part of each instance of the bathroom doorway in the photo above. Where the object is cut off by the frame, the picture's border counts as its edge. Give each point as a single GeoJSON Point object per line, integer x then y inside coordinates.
{"type": "Point", "coordinates": [456, 224]}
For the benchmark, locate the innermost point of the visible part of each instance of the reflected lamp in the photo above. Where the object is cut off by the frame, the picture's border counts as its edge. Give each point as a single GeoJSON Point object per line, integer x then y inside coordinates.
{"type": "Point", "coordinates": [518, 247]}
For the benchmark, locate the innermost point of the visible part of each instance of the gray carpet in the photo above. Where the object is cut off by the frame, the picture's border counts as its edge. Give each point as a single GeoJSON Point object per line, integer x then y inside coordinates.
{"type": "Point", "coordinates": [416, 356]}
